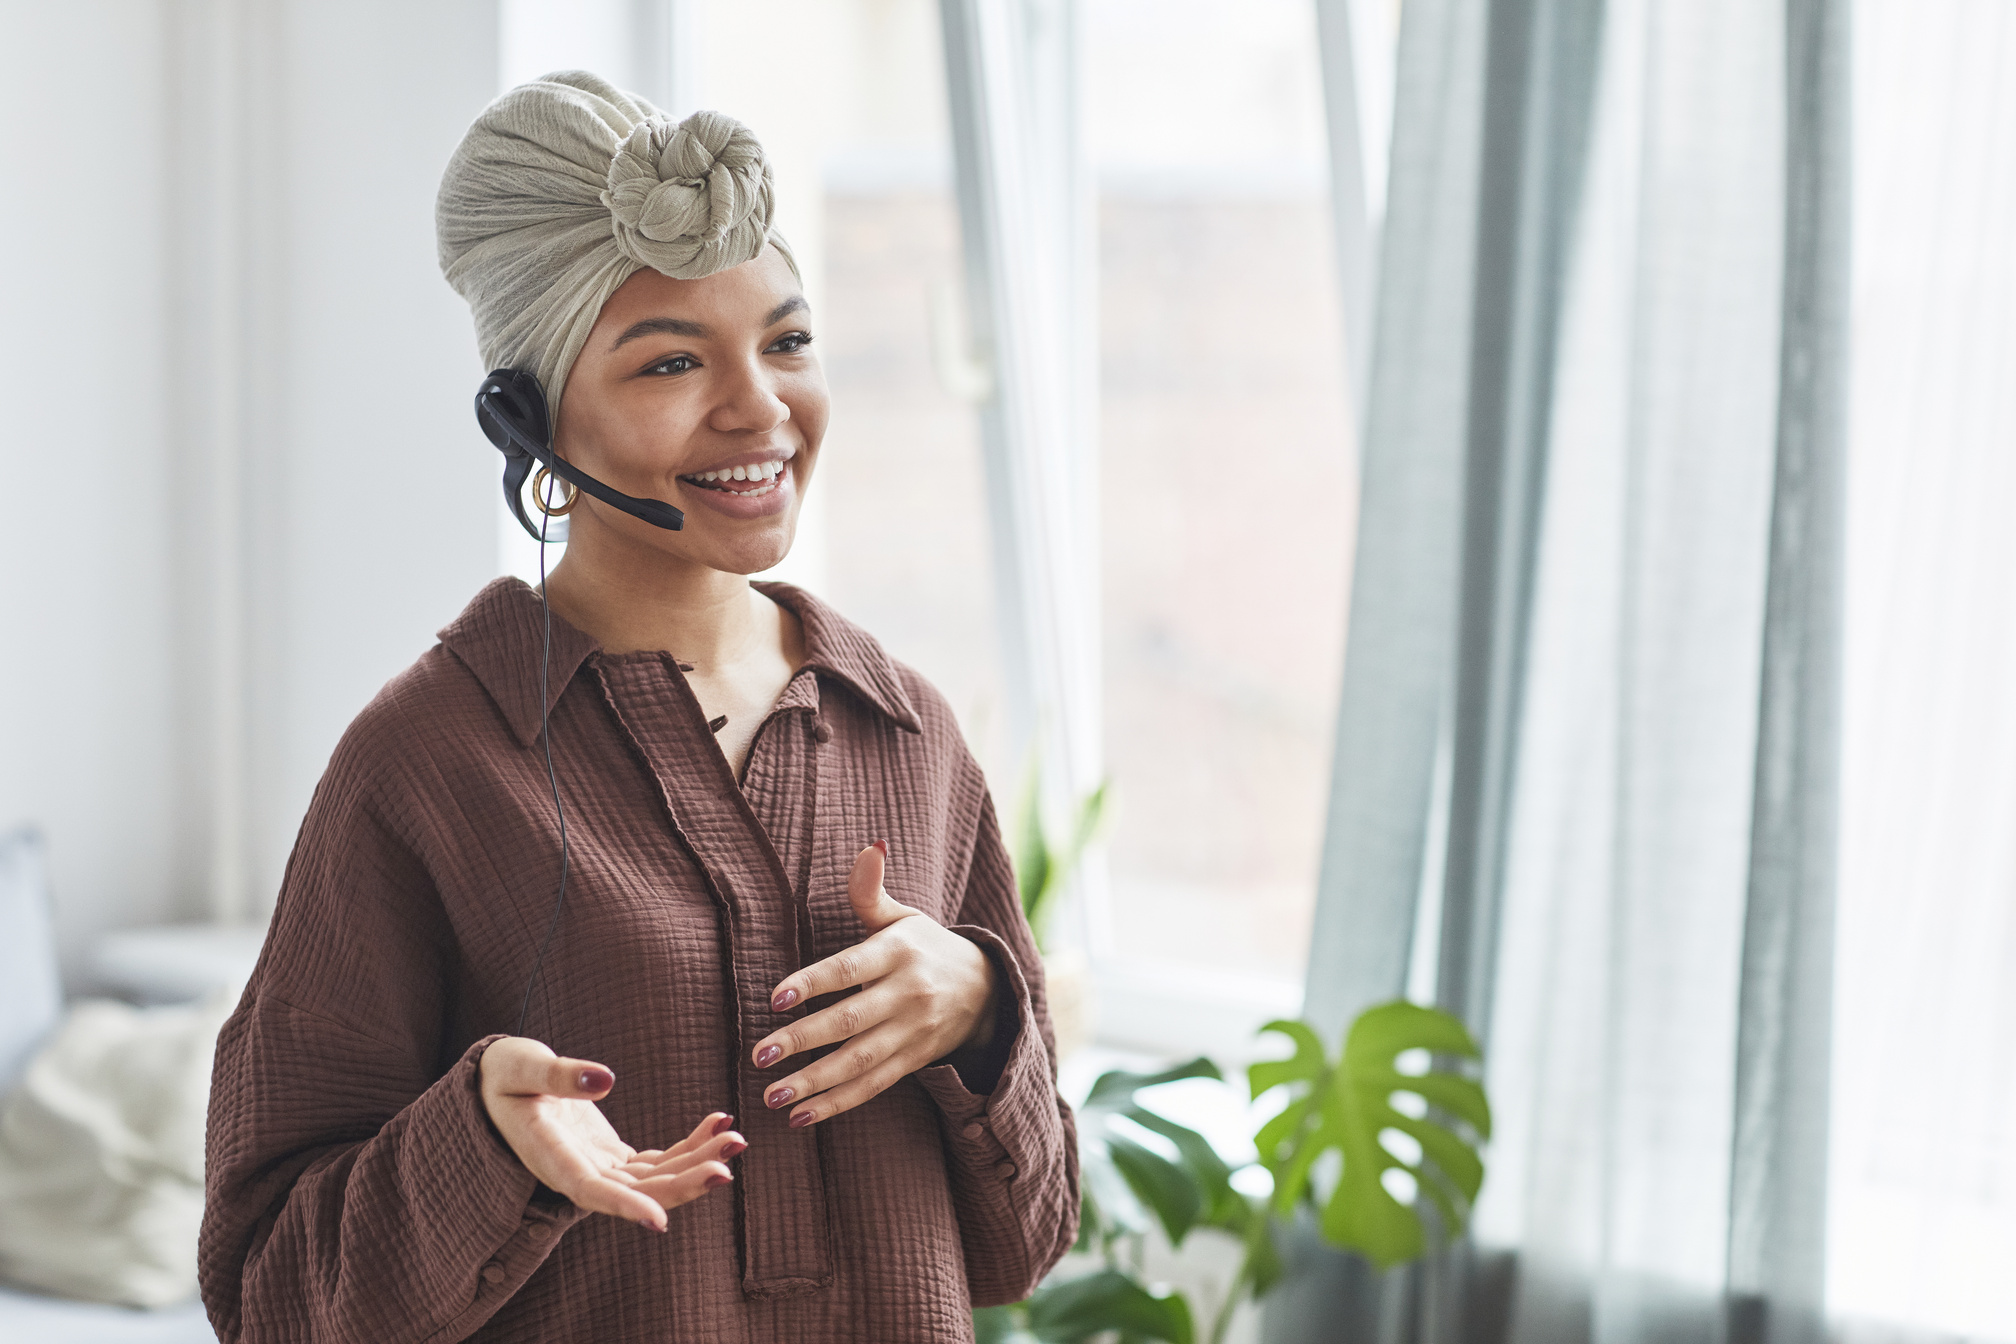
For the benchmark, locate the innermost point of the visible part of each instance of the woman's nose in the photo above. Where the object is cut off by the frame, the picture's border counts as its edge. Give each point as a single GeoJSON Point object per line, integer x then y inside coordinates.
{"type": "Point", "coordinates": [749, 403]}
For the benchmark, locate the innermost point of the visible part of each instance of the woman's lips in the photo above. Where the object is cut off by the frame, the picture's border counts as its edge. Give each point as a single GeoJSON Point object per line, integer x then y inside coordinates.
{"type": "Point", "coordinates": [746, 498]}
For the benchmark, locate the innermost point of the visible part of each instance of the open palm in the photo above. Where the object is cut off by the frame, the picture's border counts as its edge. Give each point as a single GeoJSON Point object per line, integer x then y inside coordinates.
{"type": "Point", "coordinates": [544, 1107]}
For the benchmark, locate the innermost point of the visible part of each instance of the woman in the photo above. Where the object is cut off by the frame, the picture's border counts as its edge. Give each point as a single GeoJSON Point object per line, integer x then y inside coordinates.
{"type": "Point", "coordinates": [772, 1081]}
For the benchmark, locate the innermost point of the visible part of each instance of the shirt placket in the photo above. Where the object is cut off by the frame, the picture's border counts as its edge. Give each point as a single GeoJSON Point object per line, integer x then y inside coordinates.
{"type": "Point", "coordinates": [781, 1187]}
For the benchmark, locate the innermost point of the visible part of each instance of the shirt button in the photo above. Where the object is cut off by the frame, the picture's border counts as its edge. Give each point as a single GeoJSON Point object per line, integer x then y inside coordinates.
{"type": "Point", "coordinates": [541, 1231]}
{"type": "Point", "coordinates": [493, 1273]}
{"type": "Point", "coordinates": [974, 1130]}
{"type": "Point", "coordinates": [1005, 1170]}
{"type": "Point", "coordinates": [822, 731]}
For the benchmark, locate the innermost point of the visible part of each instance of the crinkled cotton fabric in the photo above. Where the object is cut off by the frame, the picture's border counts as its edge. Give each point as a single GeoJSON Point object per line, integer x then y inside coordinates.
{"type": "Point", "coordinates": [566, 187]}
{"type": "Point", "coordinates": [357, 1190]}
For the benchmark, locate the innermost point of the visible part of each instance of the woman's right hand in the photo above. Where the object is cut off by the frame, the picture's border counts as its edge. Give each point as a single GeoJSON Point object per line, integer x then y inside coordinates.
{"type": "Point", "coordinates": [544, 1106]}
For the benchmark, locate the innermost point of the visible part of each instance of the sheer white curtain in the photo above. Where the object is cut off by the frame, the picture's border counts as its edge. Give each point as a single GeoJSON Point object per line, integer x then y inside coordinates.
{"type": "Point", "coordinates": [1626, 958]}
{"type": "Point", "coordinates": [1602, 530]}
{"type": "Point", "coordinates": [1923, 1202]}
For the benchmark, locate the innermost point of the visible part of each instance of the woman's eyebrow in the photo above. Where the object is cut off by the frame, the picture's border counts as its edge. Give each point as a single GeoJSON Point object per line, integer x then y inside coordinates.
{"type": "Point", "coordinates": [679, 326]}
{"type": "Point", "coordinates": [665, 326]}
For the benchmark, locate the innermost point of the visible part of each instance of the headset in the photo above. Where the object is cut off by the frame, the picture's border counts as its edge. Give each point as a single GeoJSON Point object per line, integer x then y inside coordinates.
{"type": "Point", "coordinates": [511, 408]}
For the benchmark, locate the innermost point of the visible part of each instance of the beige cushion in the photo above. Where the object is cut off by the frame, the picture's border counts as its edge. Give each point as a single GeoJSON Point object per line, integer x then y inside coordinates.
{"type": "Point", "coordinates": [101, 1154]}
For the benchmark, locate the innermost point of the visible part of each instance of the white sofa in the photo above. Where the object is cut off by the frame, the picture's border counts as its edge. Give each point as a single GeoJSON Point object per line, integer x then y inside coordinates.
{"type": "Point", "coordinates": [31, 1003]}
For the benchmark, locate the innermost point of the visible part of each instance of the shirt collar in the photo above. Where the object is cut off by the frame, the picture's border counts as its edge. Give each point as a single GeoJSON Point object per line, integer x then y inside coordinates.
{"type": "Point", "coordinates": [842, 650]}
{"type": "Point", "coordinates": [499, 634]}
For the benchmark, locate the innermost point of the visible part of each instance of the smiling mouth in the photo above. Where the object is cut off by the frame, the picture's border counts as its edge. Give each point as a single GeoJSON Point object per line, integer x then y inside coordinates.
{"type": "Point", "coordinates": [749, 480]}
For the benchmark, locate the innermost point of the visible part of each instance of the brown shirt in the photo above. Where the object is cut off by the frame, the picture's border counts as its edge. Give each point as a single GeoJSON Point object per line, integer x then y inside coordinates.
{"type": "Point", "coordinates": [357, 1191]}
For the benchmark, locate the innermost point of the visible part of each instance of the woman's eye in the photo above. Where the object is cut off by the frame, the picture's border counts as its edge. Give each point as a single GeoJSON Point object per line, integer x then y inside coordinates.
{"type": "Point", "coordinates": [676, 364]}
{"type": "Point", "coordinates": [791, 343]}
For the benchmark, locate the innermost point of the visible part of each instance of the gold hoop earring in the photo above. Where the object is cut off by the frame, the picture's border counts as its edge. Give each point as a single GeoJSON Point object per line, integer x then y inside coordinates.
{"type": "Point", "coordinates": [540, 479]}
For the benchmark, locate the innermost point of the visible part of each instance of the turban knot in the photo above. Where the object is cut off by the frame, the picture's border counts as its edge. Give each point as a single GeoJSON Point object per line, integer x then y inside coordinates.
{"type": "Point", "coordinates": [692, 199]}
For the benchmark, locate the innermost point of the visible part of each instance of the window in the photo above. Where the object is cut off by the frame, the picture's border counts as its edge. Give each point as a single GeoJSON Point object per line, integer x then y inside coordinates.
{"type": "Point", "coordinates": [1229, 482]}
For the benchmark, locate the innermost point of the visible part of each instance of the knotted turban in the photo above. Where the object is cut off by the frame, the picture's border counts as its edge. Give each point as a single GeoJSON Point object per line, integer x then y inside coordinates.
{"type": "Point", "coordinates": [565, 188]}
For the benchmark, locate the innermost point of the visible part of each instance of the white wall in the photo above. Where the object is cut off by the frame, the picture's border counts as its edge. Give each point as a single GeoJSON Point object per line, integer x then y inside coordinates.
{"type": "Point", "coordinates": [85, 694]}
{"type": "Point", "coordinates": [388, 497]}
{"type": "Point", "coordinates": [244, 483]}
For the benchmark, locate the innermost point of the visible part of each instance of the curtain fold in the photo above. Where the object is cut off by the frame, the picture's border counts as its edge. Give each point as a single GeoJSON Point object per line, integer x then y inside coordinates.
{"type": "Point", "coordinates": [1405, 577]}
{"type": "Point", "coordinates": [1778, 1181]}
{"type": "Point", "coordinates": [1025, 230]}
{"type": "Point", "coordinates": [1599, 558]}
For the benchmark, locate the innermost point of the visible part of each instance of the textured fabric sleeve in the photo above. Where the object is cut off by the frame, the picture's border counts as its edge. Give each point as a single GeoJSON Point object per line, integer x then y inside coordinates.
{"type": "Point", "coordinates": [356, 1188]}
{"type": "Point", "coordinates": [1013, 1152]}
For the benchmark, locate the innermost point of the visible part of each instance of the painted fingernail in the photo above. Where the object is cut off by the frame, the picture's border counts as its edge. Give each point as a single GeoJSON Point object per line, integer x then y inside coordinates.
{"type": "Point", "coordinates": [802, 1119]}
{"type": "Point", "coordinates": [883, 845]}
{"type": "Point", "coordinates": [717, 1179]}
{"type": "Point", "coordinates": [731, 1148]}
{"type": "Point", "coordinates": [781, 1097]}
{"type": "Point", "coordinates": [783, 999]}
{"type": "Point", "coordinates": [596, 1080]}
{"type": "Point", "coordinates": [769, 1055]}
{"type": "Point", "coordinates": [723, 1125]}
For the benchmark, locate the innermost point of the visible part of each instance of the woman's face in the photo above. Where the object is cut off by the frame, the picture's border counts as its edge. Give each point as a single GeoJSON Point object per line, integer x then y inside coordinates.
{"type": "Point", "coordinates": [705, 394]}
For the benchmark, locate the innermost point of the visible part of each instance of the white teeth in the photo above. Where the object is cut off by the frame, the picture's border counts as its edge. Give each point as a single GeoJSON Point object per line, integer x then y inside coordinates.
{"type": "Point", "coordinates": [766, 472]}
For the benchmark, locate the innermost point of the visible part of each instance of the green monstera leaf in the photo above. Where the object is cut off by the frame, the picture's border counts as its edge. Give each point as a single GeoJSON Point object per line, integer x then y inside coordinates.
{"type": "Point", "coordinates": [1108, 1304]}
{"type": "Point", "coordinates": [1078, 1309]}
{"type": "Point", "coordinates": [1347, 1105]}
{"type": "Point", "coordinates": [1126, 1181]}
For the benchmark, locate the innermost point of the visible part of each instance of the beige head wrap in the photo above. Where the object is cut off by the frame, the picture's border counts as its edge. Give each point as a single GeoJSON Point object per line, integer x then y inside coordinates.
{"type": "Point", "coordinates": [565, 188]}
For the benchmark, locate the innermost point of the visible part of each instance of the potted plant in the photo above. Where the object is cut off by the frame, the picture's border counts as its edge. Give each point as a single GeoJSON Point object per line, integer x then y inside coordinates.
{"type": "Point", "coordinates": [1342, 1105]}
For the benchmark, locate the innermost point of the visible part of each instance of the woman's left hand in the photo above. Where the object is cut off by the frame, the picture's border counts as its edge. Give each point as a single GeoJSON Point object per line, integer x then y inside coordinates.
{"type": "Point", "coordinates": [925, 993]}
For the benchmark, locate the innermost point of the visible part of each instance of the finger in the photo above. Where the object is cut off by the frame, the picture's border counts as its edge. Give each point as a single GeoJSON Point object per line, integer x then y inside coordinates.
{"type": "Point", "coordinates": [712, 1125]}
{"type": "Point", "coordinates": [514, 1066]}
{"type": "Point", "coordinates": [582, 1078]}
{"type": "Point", "coordinates": [600, 1194]}
{"type": "Point", "coordinates": [861, 964]}
{"type": "Point", "coordinates": [841, 1021]}
{"type": "Point", "coordinates": [721, 1148]}
{"type": "Point", "coordinates": [852, 1060]}
{"type": "Point", "coordinates": [521, 1067]}
{"type": "Point", "coordinates": [528, 1068]}
{"type": "Point", "coordinates": [873, 905]}
{"type": "Point", "coordinates": [672, 1191]}
{"type": "Point", "coordinates": [852, 1093]}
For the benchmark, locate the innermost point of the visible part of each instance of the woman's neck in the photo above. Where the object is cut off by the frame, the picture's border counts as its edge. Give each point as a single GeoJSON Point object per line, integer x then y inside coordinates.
{"type": "Point", "coordinates": [740, 649]}
{"type": "Point", "coordinates": [699, 615]}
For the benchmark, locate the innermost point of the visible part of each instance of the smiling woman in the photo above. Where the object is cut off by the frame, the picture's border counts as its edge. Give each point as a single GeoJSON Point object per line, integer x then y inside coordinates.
{"type": "Point", "coordinates": [636, 852]}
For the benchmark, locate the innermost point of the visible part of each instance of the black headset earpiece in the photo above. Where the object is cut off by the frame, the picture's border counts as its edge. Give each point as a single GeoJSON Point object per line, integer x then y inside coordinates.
{"type": "Point", "coordinates": [511, 407]}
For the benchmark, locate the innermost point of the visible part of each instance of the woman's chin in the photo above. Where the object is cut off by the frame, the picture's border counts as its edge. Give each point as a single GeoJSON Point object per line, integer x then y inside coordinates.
{"type": "Point", "coordinates": [751, 554]}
